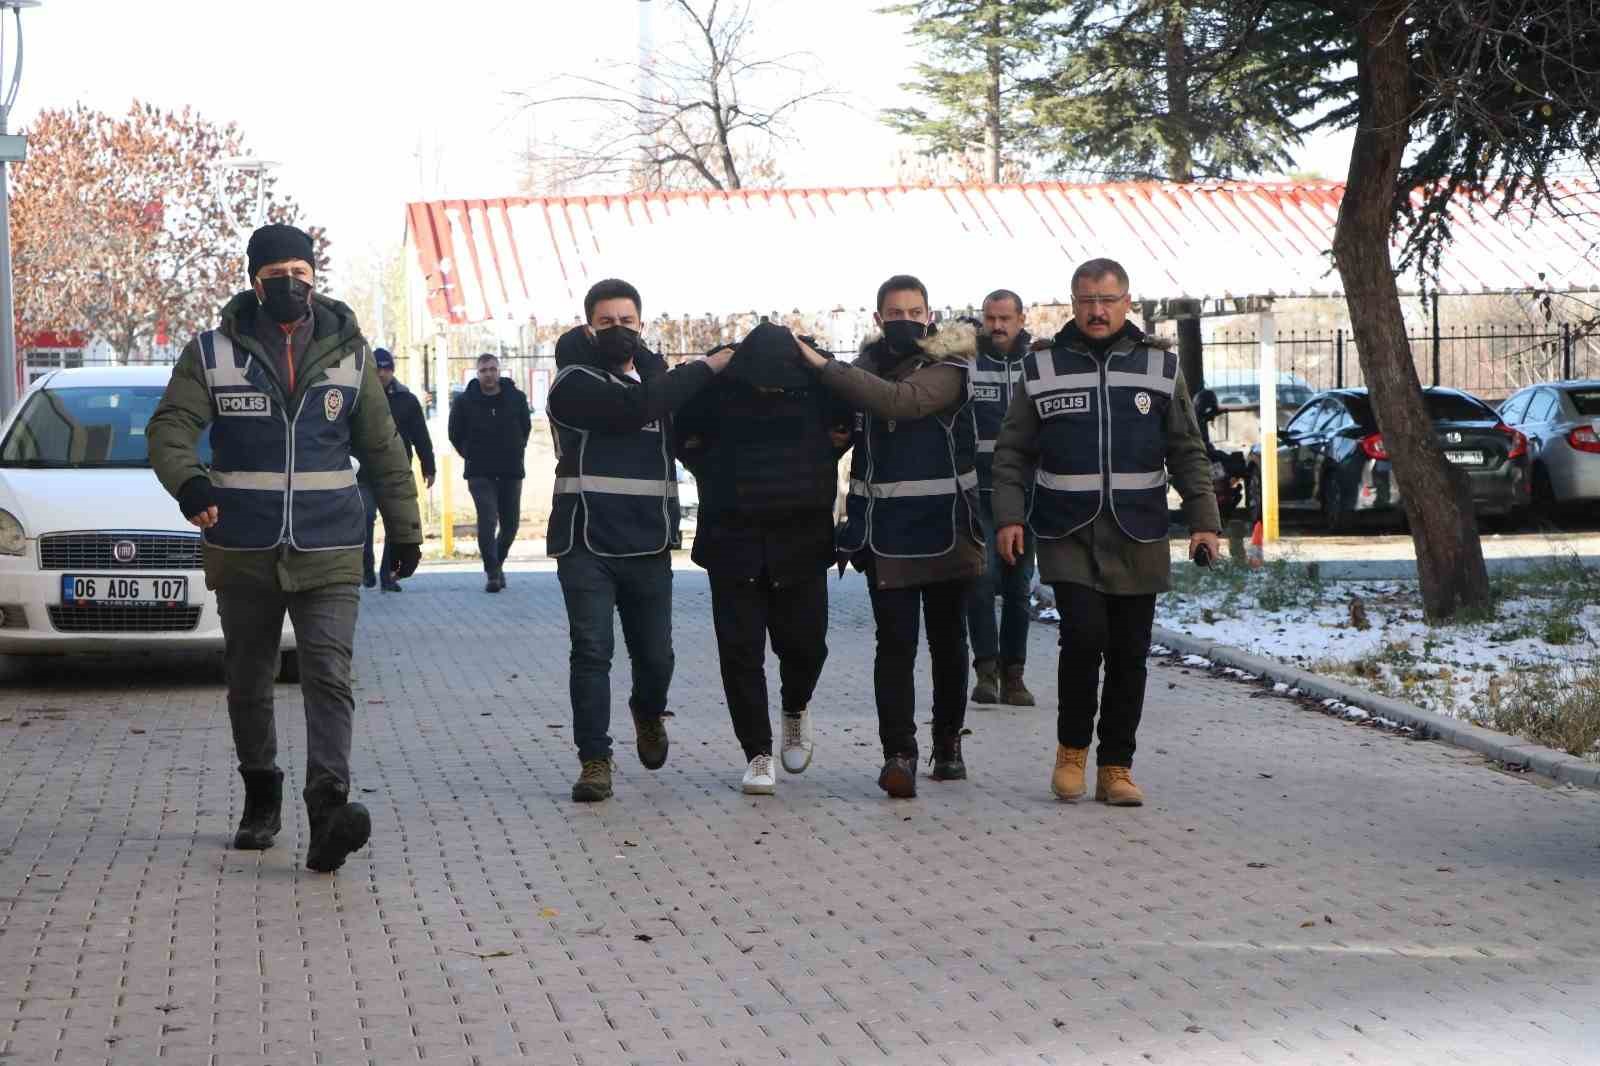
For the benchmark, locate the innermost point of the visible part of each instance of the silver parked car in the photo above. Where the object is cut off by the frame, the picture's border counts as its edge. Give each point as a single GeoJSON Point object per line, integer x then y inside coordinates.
{"type": "Point", "coordinates": [1561, 420]}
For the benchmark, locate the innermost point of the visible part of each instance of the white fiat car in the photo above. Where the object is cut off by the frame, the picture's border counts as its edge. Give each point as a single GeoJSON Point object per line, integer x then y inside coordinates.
{"type": "Point", "coordinates": [94, 556]}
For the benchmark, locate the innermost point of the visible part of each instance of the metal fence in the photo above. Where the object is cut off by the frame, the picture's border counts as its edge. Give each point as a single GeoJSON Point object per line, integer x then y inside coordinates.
{"type": "Point", "coordinates": [1490, 361]}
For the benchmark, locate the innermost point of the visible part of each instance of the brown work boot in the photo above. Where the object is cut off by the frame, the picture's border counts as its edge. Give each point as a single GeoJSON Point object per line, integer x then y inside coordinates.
{"type": "Point", "coordinates": [987, 690]}
{"type": "Point", "coordinates": [651, 733]}
{"type": "Point", "coordinates": [1067, 780]}
{"type": "Point", "coordinates": [1114, 785]}
{"type": "Point", "coordinates": [1013, 691]}
{"type": "Point", "coordinates": [594, 783]}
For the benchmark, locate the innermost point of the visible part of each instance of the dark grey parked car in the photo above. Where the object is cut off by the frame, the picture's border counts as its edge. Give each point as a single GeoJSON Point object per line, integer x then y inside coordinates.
{"type": "Point", "coordinates": [1562, 423]}
{"type": "Point", "coordinates": [1331, 457]}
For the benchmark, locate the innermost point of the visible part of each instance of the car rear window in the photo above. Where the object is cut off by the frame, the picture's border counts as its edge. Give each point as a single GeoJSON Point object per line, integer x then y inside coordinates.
{"type": "Point", "coordinates": [1587, 401]}
{"type": "Point", "coordinates": [1450, 407]}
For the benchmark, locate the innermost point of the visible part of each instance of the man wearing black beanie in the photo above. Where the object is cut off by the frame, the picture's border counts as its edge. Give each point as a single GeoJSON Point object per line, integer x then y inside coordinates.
{"type": "Point", "coordinates": [289, 390]}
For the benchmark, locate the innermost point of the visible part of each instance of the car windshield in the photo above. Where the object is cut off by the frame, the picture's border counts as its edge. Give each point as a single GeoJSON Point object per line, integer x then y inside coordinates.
{"type": "Point", "coordinates": [1290, 396]}
{"type": "Point", "coordinates": [96, 427]}
{"type": "Point", "coordinates": [1587, 401]}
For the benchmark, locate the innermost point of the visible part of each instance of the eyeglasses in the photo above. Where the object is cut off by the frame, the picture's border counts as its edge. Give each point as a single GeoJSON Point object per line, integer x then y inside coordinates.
{"type": "Point", "coordinates": [1100, 301]}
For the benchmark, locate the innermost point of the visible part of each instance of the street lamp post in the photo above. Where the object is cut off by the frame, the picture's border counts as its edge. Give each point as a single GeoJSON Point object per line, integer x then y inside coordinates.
{"type": "Point", "coordinates": [12, 150]}
{"type": "Point", "coordinates": [245, 165]}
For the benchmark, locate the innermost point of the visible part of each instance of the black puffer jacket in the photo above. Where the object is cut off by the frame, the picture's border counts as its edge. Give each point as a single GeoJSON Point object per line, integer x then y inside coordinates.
{"type": "Point", "coordinates": [764, 465]}
{"type": "Point", "coordinates": [491, 432]}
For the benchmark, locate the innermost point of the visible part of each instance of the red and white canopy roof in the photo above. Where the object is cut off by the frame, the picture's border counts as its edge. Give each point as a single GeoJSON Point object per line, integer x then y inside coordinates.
{"type": "Point", "coordinates": [697, 253]}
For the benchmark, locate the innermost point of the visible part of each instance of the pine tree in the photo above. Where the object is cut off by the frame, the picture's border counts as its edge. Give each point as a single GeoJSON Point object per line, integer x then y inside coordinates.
{"type": "Point", "coordinates": [1178, 89]}
{"type": "Point", "coordinates": [983, 56]}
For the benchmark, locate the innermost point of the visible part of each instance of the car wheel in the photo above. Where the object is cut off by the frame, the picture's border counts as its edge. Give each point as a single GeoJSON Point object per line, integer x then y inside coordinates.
{"type": "Point", "coordinates": [1335, 511]}
{"type": "Point", "coordinates": [289, 668]}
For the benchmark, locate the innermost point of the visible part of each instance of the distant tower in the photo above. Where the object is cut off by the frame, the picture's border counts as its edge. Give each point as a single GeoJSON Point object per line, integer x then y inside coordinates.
{"type": "Point", "coordinates": [647, 90]}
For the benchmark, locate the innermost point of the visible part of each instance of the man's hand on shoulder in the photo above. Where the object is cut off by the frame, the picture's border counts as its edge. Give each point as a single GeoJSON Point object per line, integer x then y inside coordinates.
{"type": "Point", "coordinates": [809, 355]}
{"type": "Point", "coordinates": [719, 359]}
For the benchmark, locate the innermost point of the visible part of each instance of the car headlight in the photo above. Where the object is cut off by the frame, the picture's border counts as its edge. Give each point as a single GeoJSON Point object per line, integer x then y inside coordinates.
{"type": "Point", "coordinates": [13, 541]}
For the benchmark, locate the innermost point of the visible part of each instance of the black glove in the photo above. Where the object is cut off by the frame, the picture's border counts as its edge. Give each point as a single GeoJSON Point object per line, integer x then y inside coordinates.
{"type": "Point", "coordinates": [196, 496]}
{"type": "Point", "coordinates": [406, 558]}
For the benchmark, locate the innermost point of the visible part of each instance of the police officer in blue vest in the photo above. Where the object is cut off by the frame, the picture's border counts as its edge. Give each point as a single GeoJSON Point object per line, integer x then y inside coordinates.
{"type": "Point", "coordinates": [911, 516]}
{"type": "Point", "coordinates": [999, 653]}
{"type": "Point", "coordinates": [614, 519]}
{"type": "Point", "coordinates": [288, 388]}
{"type": "Point", "coordinates": [1100, 423]}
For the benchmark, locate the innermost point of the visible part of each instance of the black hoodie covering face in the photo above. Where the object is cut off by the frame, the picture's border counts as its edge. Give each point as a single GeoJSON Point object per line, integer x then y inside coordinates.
{"type": "Point", "coordinates": [769, 358]}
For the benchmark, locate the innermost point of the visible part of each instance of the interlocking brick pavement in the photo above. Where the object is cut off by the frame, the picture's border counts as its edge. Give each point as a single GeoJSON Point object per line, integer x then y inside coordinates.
{"type": "Point", "coordinates": [1298, 890]}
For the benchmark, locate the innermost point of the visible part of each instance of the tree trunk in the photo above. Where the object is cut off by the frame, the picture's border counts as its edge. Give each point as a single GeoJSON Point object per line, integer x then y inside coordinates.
{"type": "Point", "coordinates": [1435, 495]}
{"type": "Point", "coordinates": [1180, 155]}
{"type": "Point", "coordinates": [991, 117]}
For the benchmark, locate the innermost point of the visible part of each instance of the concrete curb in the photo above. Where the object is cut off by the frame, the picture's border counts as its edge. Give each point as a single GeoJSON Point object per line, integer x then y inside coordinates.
{"type": "Point", "coordinates": [1498, 746]}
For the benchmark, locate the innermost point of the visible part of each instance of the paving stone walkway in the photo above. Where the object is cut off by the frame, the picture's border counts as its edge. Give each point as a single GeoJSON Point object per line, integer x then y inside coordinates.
{"type": "Point", "coordinates": [1299, 890]}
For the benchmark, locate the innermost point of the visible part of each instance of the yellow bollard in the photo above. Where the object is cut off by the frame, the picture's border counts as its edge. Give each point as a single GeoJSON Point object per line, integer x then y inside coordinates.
{"type": "Point", "coordinates": [447, 507]}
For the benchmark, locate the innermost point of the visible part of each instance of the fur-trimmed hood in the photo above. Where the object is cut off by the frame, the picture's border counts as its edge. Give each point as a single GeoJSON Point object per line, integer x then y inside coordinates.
{"type": "Point", "coordinates": [952, 341]}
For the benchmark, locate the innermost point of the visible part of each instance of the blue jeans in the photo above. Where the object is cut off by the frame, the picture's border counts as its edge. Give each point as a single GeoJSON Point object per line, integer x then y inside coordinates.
{"type": "Point", "coordinates": [1013, 585]}
{"type": "Point", "coordinates": [639, 590]}
{"type": "Point", "coordinates": [370, 499]}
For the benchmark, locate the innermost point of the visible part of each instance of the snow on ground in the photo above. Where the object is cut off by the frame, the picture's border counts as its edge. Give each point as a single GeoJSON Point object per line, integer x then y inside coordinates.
{"type": "Point", "coordinates": [1546, 620]}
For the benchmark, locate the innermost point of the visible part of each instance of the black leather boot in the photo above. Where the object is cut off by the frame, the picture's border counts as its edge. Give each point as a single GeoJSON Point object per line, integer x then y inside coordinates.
{"type": "Point", "coordinates": [338, 827]}
{"type": "Point", "coordinates": [947, 762]}
{"type": "Point", "coordinates": [263, 810]}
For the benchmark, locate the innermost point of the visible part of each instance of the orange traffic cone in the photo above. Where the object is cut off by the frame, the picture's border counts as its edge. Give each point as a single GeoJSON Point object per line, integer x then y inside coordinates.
{"type": "Point", "coordinates": [1256, 555]}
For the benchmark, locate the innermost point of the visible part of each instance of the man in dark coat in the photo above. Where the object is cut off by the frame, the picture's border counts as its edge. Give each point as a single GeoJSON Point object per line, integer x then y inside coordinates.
{"type": "Point", "coordinates": [489, 427]}
{"type": "Point", "coordinates": [763, 442]}
{"type": "Point", "coordinates": [412, 425]}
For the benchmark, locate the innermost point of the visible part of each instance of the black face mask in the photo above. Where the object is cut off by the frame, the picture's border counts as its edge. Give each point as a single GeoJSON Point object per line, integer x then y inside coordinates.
{"type": "Point", "coordinates": [902, 335]}
{"type": "Point", "coordinates": [617, 344]}
{"type": "Point", "coordinates": [286, 299]}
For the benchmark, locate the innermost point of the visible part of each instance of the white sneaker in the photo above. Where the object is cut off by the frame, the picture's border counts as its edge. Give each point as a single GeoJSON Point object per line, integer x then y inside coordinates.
{"type": "Point", "coordinates": [758, 778]}
{"type": "Point", "coordinates": [797, 744]}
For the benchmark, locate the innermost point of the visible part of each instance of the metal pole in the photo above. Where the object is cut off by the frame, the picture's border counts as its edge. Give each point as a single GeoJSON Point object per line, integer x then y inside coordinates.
{"type": "Point", "coordinates": [1338, 359]}
{"type": "Point", "coordinates": [9, 371]}
{"type": "Point", "coordinates": [8, 334]}
{"type": "Point", "coordinates": [1436, 340]}
{"type": "Point", "coordinates": [1267, 377]}
{"type": "Point", "coordinates": [441, 433]}
{"type": "Point", "coordinates": [1566, 351]}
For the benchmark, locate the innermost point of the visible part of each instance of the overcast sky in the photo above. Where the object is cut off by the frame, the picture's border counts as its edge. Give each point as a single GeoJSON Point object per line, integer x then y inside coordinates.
{"type": "Point", "coordinates": [367, 104]}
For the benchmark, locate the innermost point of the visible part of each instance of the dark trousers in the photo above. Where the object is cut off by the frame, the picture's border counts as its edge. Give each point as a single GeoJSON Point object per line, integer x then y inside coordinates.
{"type": "Point", "coordinates": [1013, 584]}
{"type": "Point", "coordinates": [897, 612]}
{"type": "Point", "coordinates": [1098, 628]}
{"type": "Point", "coordinates": [498, 501]}
{"type": "Point", "coordinates": [324, 622]}
{"type": "Point", "coordinates": [745, 611]}
{"type": "Point", "coordinates": [596, 589]}
{"type": "Point", "coordinates": [370, 499]}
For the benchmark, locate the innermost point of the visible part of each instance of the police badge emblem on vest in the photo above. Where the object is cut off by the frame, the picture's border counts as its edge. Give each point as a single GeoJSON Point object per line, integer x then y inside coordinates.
{"type": "Point", "coordinates": [333, 403]}
{"type": "Point", "coordinates": [1142, 402]}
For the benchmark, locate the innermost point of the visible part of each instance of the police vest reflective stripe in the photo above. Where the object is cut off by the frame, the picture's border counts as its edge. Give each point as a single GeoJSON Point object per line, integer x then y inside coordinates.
{"type": "Point", "coordinates": [621, 487]}
{"type": "Point", "coordinates": [913, 484]}
{"type": "Point", "coordinates": [280, 479]}
{"type": "Point", "coordinates": [993, 381]}
{"type": "Point", "coordinates": [1102, 438]}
